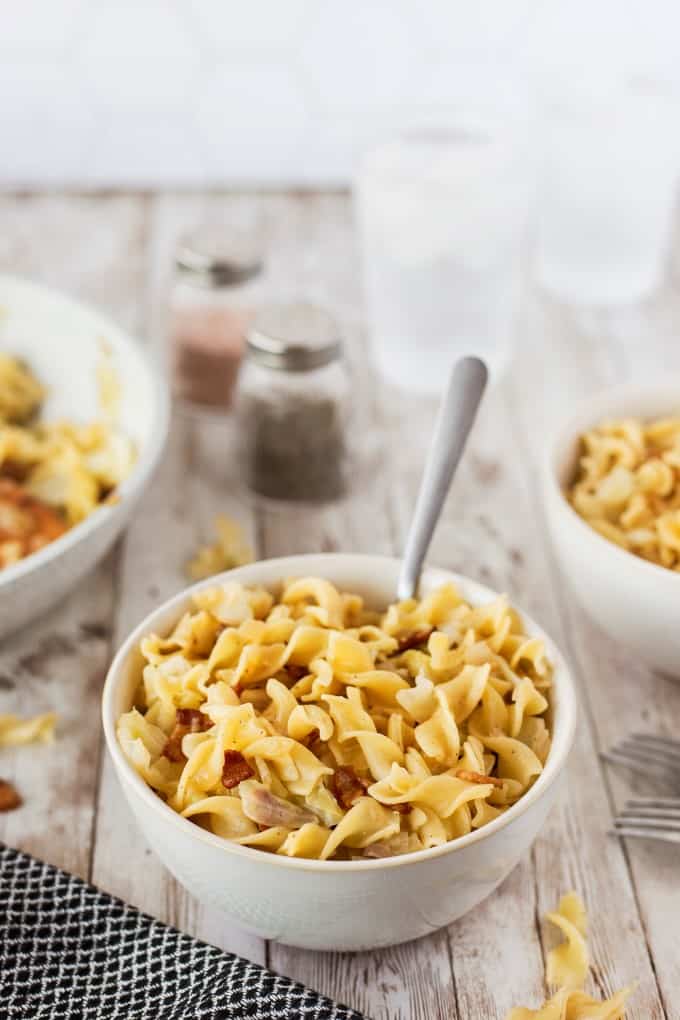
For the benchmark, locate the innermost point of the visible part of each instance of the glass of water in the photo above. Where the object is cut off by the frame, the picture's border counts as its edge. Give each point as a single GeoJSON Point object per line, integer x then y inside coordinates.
{"type": "Point", "coordinates": [608, 193]}
{"type": "Point", "coordinates": [442, 215]}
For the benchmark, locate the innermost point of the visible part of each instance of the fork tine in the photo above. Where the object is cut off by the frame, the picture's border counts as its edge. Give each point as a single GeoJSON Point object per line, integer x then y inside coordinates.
{"type": "Point", "coordinates": [646, 761]}
{"type": "Point", "coordinates": [648, 817]}
{"type": "Point", "coordinates": [666, 817]}
{"type": "Point", "coordinates": [617, 757]}
{"type": "Point", "coordinates": [650, 747]}
{"type": "Point", "coordinates": [640, 756]}
{"type": "Point", "coordinates": [651, 738]}
{"type": "Point", "coordinates": [662, 834]}
{"type": "Point", "coordinates": [652, 810]}
{"type": "Point", "coordinates": [649, 761]}
{"type": "Point", "coordinates": [646, 746]}
{"type": "Point", "coordinates": [652, 802]}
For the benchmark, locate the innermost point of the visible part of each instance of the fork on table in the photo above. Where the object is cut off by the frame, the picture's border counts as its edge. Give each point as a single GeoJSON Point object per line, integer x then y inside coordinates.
{"type": "Point", "coordinates": [649, 817]}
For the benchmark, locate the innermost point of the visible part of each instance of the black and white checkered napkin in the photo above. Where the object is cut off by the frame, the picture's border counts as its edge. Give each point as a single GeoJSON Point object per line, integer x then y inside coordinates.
{"type": "Point", "coordinates": [69, 951]}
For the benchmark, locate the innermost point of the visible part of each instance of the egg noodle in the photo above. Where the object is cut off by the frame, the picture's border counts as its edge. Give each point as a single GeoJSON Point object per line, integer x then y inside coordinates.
{"type": "Point", "coordinates": [52, 474]}
{"type": "Point", "coordinates": [228, 551]}
{"type": "Point", "coordinates": [627, 486]}
{"type": "Point", "coordinates": [567, 969]}
{"type": "Point", "coordinates": [313, 727]}
{"type": "Point", "coordinates": [15, 731]}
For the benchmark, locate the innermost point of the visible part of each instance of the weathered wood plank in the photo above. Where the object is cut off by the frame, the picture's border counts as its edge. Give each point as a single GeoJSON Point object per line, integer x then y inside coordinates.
{"type": "Point", "coordinates": [191, 486]}
{"type": "Point", "coordinates": [58, 664]}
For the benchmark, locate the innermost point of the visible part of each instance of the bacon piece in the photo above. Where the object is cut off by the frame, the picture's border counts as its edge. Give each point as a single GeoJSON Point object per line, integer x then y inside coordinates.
{"type": "Point", "coordinates": [315, 745]}
{"type": "Point", "coordinates": [9, 798]}
{"type": "Point", "coordinates": [415, 638]}
{"type": "Point", "coordinates": [477, 777]}
{"type": "Point", "coordinates": [15, 470]}
{"type": "Point", "coordinates": [295, 672]}
{"type": "Point", "coordinates": [235, 769]}
{"type": "Point", "coordinates": [173, 745]}
{"type": "Point", "coordinates": [193, 719]}
{"type": "Point", "coordinates": [26, 520]}
{"type": "Point", "coordinates": [187, 720]}
{"type": "Point", "coordinates": [311, 740]}
{"type": "Point", "coordinates": [346, 786]}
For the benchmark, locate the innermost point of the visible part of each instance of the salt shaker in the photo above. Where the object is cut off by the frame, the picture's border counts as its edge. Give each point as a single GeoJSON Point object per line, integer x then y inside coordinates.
{"type": "Point", "coordinates": [293, 405]}
{"type": "Point", "coordinates": [213, 298]}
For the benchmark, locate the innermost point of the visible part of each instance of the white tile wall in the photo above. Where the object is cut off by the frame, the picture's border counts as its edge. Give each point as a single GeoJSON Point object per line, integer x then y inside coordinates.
{"type": "Point", "coordinates": [149, 92]}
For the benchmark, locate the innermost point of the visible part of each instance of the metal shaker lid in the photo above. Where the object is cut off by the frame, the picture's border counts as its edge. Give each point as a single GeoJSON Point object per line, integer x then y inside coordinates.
{"type": "Point", "coordinates": [294, 336]}
{"type": "Point", "coordinates": [219, 255]}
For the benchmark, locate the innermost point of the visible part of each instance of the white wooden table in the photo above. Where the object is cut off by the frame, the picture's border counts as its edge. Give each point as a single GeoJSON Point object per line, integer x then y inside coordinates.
{"type": "Point", "coordinates": [114, 250]}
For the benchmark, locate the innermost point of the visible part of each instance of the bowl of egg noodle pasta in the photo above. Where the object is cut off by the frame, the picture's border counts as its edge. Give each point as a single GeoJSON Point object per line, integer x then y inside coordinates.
{"type": "Point", "coordinates": [611, 488]}
{"type": "Point", "coordinates": [333, 769]}
{"type": "Point", "coordinates": [83, 422]}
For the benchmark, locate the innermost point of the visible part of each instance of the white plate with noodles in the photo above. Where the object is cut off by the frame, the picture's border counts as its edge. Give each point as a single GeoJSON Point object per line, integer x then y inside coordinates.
{"type": "Point", "coordinates": [333, 773]}
{"type": "Point", "coordinates": [83, 421]}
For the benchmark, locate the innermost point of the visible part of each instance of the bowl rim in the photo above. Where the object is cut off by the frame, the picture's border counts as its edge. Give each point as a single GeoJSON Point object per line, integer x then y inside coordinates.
{"type": "Point", "coordinates": [561, 739]}
{"type": "Point", "coordinates": [144, 465]}
{"type": "Point", "coordinates": [568, 434]}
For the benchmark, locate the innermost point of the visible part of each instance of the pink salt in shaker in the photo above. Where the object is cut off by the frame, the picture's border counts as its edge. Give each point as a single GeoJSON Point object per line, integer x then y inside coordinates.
{"type": "Point", "coordinates": [213, 300]}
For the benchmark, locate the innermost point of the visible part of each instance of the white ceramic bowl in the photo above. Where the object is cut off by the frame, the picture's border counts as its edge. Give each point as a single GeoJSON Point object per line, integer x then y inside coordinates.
{"type": "Point", "coordinates": [636, 602]}
{"type": "Point", "coordinates": [61, 340]}
{"type": "Point", "coordinates": [336, 904]}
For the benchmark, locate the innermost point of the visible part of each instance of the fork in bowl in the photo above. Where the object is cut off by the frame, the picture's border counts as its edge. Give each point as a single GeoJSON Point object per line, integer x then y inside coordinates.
{"type": "Point", "coordinates": [649, 817]}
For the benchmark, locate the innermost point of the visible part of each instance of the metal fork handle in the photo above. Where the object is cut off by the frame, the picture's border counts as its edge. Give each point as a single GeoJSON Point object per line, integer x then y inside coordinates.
{"type": "Point", "coordinates": [456, 417]}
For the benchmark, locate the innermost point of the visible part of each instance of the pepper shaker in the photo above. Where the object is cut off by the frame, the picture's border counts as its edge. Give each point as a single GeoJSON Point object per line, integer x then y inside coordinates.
{"type": "Point", "coordinates": [293, 405]}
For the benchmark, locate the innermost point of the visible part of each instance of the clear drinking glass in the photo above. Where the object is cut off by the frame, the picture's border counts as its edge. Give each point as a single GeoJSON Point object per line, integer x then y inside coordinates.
{"type": "Point", "coordinates": [608, 193]}
{"type": "Point", "coordinates": [442, 212]}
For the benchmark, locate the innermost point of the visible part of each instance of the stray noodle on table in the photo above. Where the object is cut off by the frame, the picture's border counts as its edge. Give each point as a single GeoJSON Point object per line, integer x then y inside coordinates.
{"type": "Point", "coordinates": [15, 732]}
{"type": "Point", "coordinates": [566, 972]}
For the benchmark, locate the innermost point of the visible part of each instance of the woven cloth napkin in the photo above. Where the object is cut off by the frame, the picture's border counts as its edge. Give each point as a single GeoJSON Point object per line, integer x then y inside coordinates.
{"type": "Point", "coordinates": [68, 950]}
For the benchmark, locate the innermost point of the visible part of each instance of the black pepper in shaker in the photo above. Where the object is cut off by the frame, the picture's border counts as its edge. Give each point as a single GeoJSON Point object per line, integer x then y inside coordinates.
{"type": "Point", "coordinates": [293, 406]}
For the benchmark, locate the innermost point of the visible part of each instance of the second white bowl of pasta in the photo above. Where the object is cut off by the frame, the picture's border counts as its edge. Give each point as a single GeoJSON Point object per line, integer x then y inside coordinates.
{"type": "Point", "coordinates": [83, 422]}
{"type": "Point", "coordinates": [333, 773]}
{"type": "Point", "coordinates": [611, 484]}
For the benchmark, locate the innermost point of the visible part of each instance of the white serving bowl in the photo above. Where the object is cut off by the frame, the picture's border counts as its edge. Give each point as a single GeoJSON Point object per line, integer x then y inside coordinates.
{"type": "Point", "coordinates": [61, 340]}
{"type": "Point", "coordinates": [345, 905]}
{"type": "Point", "coordinates": [636, 602]}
